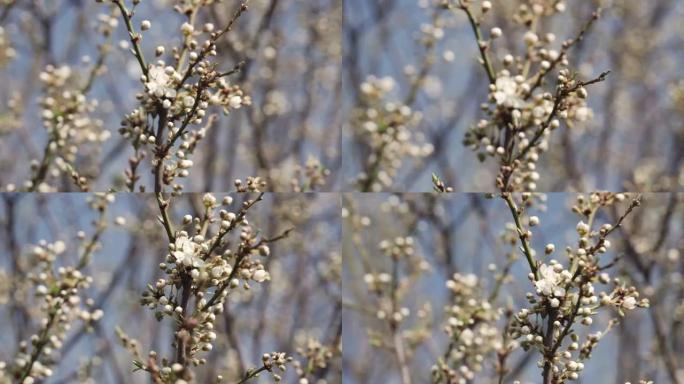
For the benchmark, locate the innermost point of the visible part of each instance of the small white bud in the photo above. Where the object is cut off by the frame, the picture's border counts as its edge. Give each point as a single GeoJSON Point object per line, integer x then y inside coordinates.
{"type": "Point", "coordinates": [582, 228]}
{"type": "Point", "coordinates": [187, 29]}
{"type": "Point", "coordinates": [534, 221]}
{"type": "Point", "coordinates": [531, 38]}
{"type": "Point", "coordinates": [549, 249]}
{"type": "Point", "coordinates": [209, 200]}
{"type": "Point", "coordinates": [486, 6]}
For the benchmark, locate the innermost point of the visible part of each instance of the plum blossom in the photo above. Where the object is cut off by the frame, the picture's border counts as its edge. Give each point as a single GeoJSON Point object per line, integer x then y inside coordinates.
{"type": "Point", "coordinates": [158, 83]}
{"type": "Point", "coordinates": [185, 252]}
{"type": "Point", "coordinates": [506, 93]}
{"type": "Point", "coordinates": [582, 114]}
{"type": "Point", "coordinates": [549, 281]}
{"type": "Point", "coordinates": [629, 303]}
{"type": "Point", "coordinates": [260, 275]}
{"type": "Point", "coordinates": [467, 337]}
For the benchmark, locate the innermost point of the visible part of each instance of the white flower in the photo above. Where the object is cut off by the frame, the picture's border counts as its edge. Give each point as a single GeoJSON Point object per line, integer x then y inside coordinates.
{"type": "Point", "coordinates": [470, 280]}
{"type": "Point", "coordinates": [158, 83]}
{"type": "Point", "coordinates": [185, 252]}
{"type": "Point", "coordinates": [386, 84]}
{"type": "Point", "coordinates": [59, 247]}
{"type": "Point", "coordinates": [467, 337]}
{"type": "Point", "coordinates": [538, 112]}
{"type": "Point", "coordinates": [582, 114]}
{"type": "Point", "coordinates": [185, 164]}
{"type": "Point", "coordinates": [235, 102]}
{"type": "Point", "coordinates": [217, 272]}
{"type": "Point", "coordinates": [97, 314]}
{"type": "Point", "coordinates": [260, 275]}
{"type": "Point", "coordinates": [549, 280]}
{"type": "Point", "coordinates": [629, 303]}
{"type": "Point", "coordinates": [506, 92]}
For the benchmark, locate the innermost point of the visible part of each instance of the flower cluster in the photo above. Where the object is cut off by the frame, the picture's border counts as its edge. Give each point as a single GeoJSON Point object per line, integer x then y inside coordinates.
{"type": "Point", "coordinates": [201, 269]}
{"type": "Point", "coordinates": [75, 135]}
{"type": "Point", "coordinates": [270, 361]}
{"type": "Point", "coordinates": [388, 129]}
{"type": "Point", "coordinates": [177, 96]}
{"type": "Point", "coordinates": [73, 132]}
{"type": "Point", "coordinates": [309, 177]}
{"type": "Point", "coordinates": [7, 52]}
{"type": "Point", "coordinates": [406, 332]}
{"type": "Point", "coordinates": [472, 329]}
{"type": "Point", "coordinates": [388, 286]}
{"type": "Point", "coordinates": [565, 296]}
{"type": "Point", "coordinates": [316, 356]}
{"type": "Point", "coordinates": [59, 291]}
{"type": "Point", "coordinates": [522, 110]}
{"type": "Point", "coordinates": [252, 184]}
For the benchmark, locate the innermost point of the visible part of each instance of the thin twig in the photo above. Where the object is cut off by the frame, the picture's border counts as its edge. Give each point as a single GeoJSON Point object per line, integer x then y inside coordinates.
{"type": "Point", "coordinates": [134, 36]}
{"type": "Point", "coordinates": [521, 233]}
{"type": "Point", "coordinates": [481, 44]}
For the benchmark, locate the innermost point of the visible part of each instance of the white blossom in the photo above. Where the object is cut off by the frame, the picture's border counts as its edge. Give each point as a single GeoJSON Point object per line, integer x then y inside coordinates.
{"type": "Point", "coordinates": [549, 282]}
{"type": "Point", "coordinates": [629, 302]}
{"type": "Point", "coordinates": [185, 252]}
{"type": "Point", "coordinates": [260, 275]}
{"type": "Point", "coordinates": [506, 93]}
{"type": "Point", "coordinates": [158, 83]}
